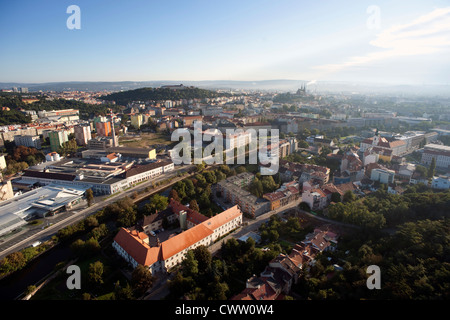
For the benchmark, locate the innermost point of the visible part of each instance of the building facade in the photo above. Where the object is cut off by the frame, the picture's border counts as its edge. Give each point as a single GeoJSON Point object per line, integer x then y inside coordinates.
{"type": "Point", "coordinates": [57, 138]}
{"type": "Point", "coordinates": [82, 134]}
{"type": "Point", "coordinates": [28, 141]}
{"type": "Point", "coordinates": [139, 248]}
{"type": "Point", "coordinates": [438, 152]}
{"type": "Point", "coordinates": [137, 120]}
{"type": "Point", "coordinates": [103, 129]}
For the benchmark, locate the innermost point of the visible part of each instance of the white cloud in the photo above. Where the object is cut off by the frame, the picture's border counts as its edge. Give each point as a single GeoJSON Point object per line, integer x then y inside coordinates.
{"type": "Point", "coordinates": [426, 35]}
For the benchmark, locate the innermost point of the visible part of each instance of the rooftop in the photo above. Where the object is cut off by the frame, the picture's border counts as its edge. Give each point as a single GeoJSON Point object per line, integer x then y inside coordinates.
{"type": "Point", "coordinates": [144, 254]}
{"type": "Point", "coordinates": [40, 200]}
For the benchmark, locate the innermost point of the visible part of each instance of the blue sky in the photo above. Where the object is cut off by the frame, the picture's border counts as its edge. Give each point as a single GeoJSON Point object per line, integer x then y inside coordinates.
{"type": "Point", "coordinates": [226, 40]}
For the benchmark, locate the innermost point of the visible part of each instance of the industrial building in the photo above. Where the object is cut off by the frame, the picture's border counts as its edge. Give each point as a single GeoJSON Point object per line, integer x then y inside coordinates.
{"type": "Point", "coordinates": [102, 177]}
{"type": "Point", "coordinates": [39, 202]}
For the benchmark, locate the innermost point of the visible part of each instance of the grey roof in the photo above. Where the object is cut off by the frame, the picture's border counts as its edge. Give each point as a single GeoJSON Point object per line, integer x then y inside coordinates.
{"type": "Point", "coordinates": [48, 198]}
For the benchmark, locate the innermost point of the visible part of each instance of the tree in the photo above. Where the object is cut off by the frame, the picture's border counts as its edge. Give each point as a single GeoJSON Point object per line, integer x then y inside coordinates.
{"type": "Point", "coordinates": [91, 246]}
{"type": "Point", "coordinates": [349, 196]}
{"type": "Point", "coordinates": [90, 222]}
{"type": "Point", "coordinates": [200, 167]}
{"type": "Point", "coordinates": [203, 257]}
{"type": "Point", "coordinates": [220, 176]}
{"type": "Point", "coordinates": [217, 290]}
{"type": "Point", "coordinates": [336, 197]}
{"type": "Point", "coordinates": [201, 181]}
{"type": "Point", "coordinates": [293, 225]}
{"type": "Point", "coordinates": [30, 289]}
{"type": "Point", "coordinates": [180, 188]}
{"type": "Point", "coordinates": [421, 170]}
{"type": "Point", "coordinates": [114, 209]}
{"type": "Point", "coordinates": [127, 217]}
{"type": "Point", "coordinates": [77, 247]}
{"type": "Point", "coordinates": [141, 280]}
{"type": "Point", "coordinates": [12, 262]}
{"type": "Point", "coordinates": [432, 168]}
{"type": "Point", "coordinates": [256, 188]}
{"type": "Point", "coordinates": [180, 285]}
{"type": "Point", "coordinates": [99, 232]}
{"type": "Point", "coordinates": [68, 147]}
{"type": "Point", "coordinates": [269, 184]}
{"type": "Point", "coordinates": [86, 296]}
{"type": "Point", "coordinates": [303, 144]}
{"type": "Point", "coordinates": [193, 205]}
{"type": "Point", "coordinates": [157, 203]}
{"type": "Point", "coordinates": [174, 195]}
{"type": "Point", "coordinates": [190, 188]}
{"type": "Point", "coordinates": [190, 265]}
{"type": "Point", "coordinates": [240, 169]}
{"type": "Point", "coordinates": [273, 235]}
{"type": "Point", "coordinates": [95, 275]}
{"type": "Point", "coordinates": [123, 293]}
{"type": "Point", "coordinates": [210, 177]}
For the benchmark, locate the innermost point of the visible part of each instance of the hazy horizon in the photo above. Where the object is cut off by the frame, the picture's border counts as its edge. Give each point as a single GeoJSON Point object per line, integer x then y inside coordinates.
{"type": "Point", "coordinates": [389, 42]}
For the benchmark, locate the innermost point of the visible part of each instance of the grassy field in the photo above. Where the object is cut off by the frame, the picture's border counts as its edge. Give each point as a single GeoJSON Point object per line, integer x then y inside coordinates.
{"type": "Point", "coordinates": [57, 288]}
{"type": "Point", "coordinates": [145, 140]}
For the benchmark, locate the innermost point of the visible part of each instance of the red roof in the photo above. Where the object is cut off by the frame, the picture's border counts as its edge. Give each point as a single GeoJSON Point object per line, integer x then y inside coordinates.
{"type": "Point", "coordinates": [274, 196]}
{"type": "Point", "coordinates": [192, 215]}
{"type": "Point", "coordinates": [262, 292]}
{"type": "Point", "coordinates": [133, 242]}
{"type": "Point", "coordinates": [320, 192]}
{"type": "Point", "coordinates": [184, 240]}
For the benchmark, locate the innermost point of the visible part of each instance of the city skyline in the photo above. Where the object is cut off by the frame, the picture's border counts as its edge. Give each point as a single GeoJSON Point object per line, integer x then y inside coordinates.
{"type": "Point", "coordinates": [379, 42]}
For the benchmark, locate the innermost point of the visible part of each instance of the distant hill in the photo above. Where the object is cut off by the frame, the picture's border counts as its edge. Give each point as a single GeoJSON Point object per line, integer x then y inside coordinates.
{"type": "Point", "coordinates": [280, 85]}
{"type": "Point", "coordinates": [161, 94]}
{"type": "Point", "coordinates": [14, 102]}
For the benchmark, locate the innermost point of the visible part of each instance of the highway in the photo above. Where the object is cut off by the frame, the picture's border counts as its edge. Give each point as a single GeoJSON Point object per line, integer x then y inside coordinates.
{"type": "Point", "coordinates": [25, 239]}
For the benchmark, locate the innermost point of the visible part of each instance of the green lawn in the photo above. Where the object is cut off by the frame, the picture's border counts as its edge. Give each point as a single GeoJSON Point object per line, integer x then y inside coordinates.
{"type": "Point", "coordinates": [57, 288]}
{"type": "Point", "coordinates": [145, 140]}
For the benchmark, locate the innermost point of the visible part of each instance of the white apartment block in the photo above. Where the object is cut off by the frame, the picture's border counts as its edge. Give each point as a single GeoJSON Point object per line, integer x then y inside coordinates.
{"type": "Point", "coordinates": [28, 141]}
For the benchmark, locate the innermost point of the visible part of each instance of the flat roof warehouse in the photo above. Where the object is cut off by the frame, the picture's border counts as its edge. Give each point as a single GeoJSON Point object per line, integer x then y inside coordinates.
{"type": "Point", "coordinates": [101, 177]}
{"type": "Point", "coordinates": [14, 212]}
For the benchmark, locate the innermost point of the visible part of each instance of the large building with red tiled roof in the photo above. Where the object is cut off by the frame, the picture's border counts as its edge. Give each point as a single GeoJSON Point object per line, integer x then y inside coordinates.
{"type": "Point", "coordinates": [138, 248]}
{"type": "Point", "coordinates": [384, 146]}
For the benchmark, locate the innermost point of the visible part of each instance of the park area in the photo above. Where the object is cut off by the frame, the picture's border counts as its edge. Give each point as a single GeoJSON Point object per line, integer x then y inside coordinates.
{"type": "Point", "coordinates": [146, 139]}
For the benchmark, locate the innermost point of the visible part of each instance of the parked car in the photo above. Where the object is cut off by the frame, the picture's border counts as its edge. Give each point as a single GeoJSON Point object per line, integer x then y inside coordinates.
{"type": "Point", "coordinates": [35, 244]}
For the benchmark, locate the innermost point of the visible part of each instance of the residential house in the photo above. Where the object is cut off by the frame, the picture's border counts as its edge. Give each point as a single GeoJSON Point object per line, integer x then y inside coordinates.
{"type": "Point", "coordinates": [287, 193]}
{"type": "Point", "coordinates": [441, 182]}
{"type": "Point", "coordinates": [392, 147]}
{"type": "Point", "coordinates": [283, 271]}
{"type": "Point", "coordinates": [315, 198]}
{"type": "Point", "coordinates": [383, 175]}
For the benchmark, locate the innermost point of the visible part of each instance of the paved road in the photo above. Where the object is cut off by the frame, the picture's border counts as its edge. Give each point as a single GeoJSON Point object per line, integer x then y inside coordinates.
{"type": "Point", "coordinates": [25, 239]}
{"type": "Point", "coordinates": [160, 290]}
{"type": "Point", "coordinates": [250, 225]}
